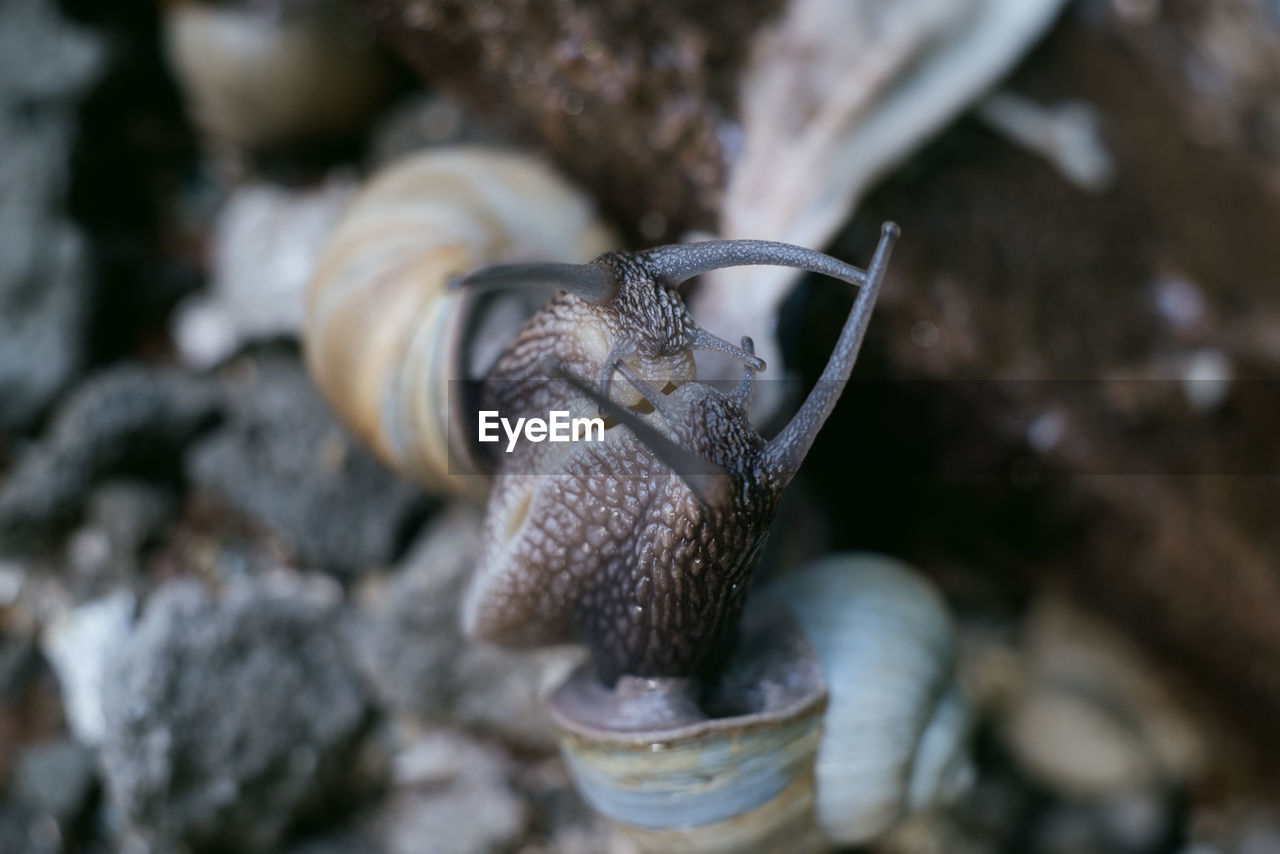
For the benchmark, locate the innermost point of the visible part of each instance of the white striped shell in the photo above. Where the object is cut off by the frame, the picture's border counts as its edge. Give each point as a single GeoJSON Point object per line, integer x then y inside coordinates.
{"type": "Point", "coordinates": [895, 730]}
{"type": "Point", "coordinates": [386, 340]}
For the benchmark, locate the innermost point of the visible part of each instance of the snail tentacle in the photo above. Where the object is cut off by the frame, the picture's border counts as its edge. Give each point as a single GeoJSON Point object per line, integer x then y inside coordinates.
{"type": "Point", "coordinates": [680, 262]}
{"type": "Point", "coordinates": [701, 339]}
{"type": "Point", "coordinates": [595, 283]}
{"type": "Point", "coordinates": [742, 391]}
{"type": "Point", "coordinates": [787, 450]}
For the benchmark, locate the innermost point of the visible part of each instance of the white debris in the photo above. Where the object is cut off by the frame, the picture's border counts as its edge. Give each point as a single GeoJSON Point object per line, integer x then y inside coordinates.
{"type": "Point", "coordinates": [1068, 135]}
{"type": "Point", "coordinates": [1206, 378]}
{"type": "Point", "coordinates": [265, 246]}
{"type": "Point", "coordinates": [1047, 431]}
{"type": "Point", "coordinates": [78, 644]}
{"type": "Point", "coordinates": [1179, 302]}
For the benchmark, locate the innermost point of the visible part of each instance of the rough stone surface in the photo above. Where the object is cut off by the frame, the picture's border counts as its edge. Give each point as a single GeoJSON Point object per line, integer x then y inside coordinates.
{"type": "Point", "coordinates": [127, 418]}
{"type": "Point", "coordinates": [25, 830]}
{"type": "Point", "coordinates": [651, 86]}
{"type": "Point", "coordinates": [227, 721]}
{"type": "Point", "coordinates": [414, 651]}
{"type": "Point", "coordinates": [57, 777]}
{"type": "Point", "coordinates": [454, 791]}
{"type": "Point", "coordinates": [46, 65]}
{"type": "Point", "coordinates": [122, 519]}
{"type": "Point", "coordinates": [283, 459]}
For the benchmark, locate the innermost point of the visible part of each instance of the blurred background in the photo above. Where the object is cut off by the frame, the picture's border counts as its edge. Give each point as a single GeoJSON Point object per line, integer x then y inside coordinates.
{"type": "Point", "coordinates": [226, 626]}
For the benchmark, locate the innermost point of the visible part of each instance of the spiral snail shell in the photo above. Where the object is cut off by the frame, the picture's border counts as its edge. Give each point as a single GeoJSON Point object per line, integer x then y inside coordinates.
{"type": "Point", "coordinates": [839, 715]}
{"type": "Point", "coordinates": [387, 341]}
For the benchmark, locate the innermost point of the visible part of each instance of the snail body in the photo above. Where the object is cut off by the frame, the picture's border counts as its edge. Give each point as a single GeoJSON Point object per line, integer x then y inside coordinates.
{"type": "Point", "coordinates": [838, 715]}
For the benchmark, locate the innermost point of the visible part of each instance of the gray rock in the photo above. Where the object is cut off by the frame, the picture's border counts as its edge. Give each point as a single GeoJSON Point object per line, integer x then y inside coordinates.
{"type": "Point", "coordinates": [125, 418]}
{"type": "Point", "coordinates": [46, 64]}
{"type": "Point", "coordinates": [122, 518]}
{"type": "Point", "coordinates": [57, 778]}
{"type": "Point", "coordinates": [282, 459]}
{"type": "Point", "coordinates": [26, 830]}
{"type": "Point", "coordinates": [1137, 822]}
{"type": "Point", "coordinates": [229, 721]}
{"type": "Point", "coordinates": [454, 791]}
{"type": "Point", "coordinates": [18, 664]}
{"type": "Point", "coordinates": [423, 120]}
{"type": "Point", "coordinates": [415, 654]}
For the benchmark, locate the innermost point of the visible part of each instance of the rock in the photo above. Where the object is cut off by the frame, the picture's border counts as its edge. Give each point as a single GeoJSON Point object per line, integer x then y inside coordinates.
{"type": "Point", "coordinates": [78, 645]}
{"type": "Point", "coordinates": [57, 777]}
{"type": "Point", "coordinates": [1136, 823]}
{"type": "Point", "coordinates": [342, 842]}
{"type": "Point", "coordinates": [1090, 720]}
{"type": "Point", "coordinates": [46, 65]}
{"type": "Point", "coordinates": [422, 666]}
{"type": "Point", "coordinates": [25, 830]}
{"type": "Point", "coordinates": [266, 242]}
{"type": "Point", "coordinates": [451, 790]}
{"type": "Point", "coordinates": [125, 419]}
{"type": "Point", "coordinates": [17, 663]}
{"type": "Point", "coordinates": [282, 459]}
{"type": "Point", "coordinates": [122, 518]}
{"type": "Point", "coordinates": [228, 721]}
{"type": "Point", "coordinates": [421, 120]}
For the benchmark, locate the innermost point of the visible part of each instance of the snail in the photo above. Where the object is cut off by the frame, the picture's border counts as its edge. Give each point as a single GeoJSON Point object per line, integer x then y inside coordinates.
{"type": "Point", "coordinates": [639, 546]}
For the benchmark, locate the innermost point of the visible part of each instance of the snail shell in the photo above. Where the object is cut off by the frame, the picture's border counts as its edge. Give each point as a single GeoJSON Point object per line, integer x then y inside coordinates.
{"type": "Point", "coordinates": [259, 74]}
{"type": "Point", "coordinates": [387, 341]}
{"type": "Point", "coordinates": [864, 636]}
{"type": "Point", "coordinates": [897, 723]}
{"type": "Point", "coordinates": [674, 776]}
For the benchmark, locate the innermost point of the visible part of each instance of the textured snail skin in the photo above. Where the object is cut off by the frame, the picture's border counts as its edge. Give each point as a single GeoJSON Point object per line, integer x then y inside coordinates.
{"type": "Point", "coordinates": [604, 545]}
{"type": "Point", "coordinates": [616, 552]}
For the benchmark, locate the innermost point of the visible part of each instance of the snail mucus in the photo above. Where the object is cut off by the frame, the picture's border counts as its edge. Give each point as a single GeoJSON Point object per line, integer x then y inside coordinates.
{"type": "Point", "coordinates": [698, 722]}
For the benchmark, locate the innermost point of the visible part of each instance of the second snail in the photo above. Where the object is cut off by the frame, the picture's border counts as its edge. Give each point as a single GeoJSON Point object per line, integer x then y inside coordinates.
{"type": "Point", "coordinates": [818, 713]}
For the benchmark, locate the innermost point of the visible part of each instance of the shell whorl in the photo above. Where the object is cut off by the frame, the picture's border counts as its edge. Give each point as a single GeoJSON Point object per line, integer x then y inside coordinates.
{"type": "Point", "coordinates": [386, 339]}
{"type": "Point", "coordinates": [896, 727]}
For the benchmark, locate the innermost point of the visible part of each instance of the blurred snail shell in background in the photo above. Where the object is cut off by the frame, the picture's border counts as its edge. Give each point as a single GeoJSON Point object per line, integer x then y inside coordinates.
{"type": "Point", "coordinates": [756, 764]}
{"type": "Point", "coordinates": [258, 74]}
{"type": "Point", "coordinates": [1089, 717]}
{"type": "Point", "coordinates": [388, 342]}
